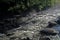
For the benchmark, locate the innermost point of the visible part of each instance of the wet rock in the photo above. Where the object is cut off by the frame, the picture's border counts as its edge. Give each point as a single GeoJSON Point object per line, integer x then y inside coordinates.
{"type": "Point", "coordinates": [14, 38]}
{"type": "Point", "coordinates": [3, 37]}
{"type": "Point", "coordinates": [18, 38]}
{"type": "Point", "coordinates": [58, 20]}
{"type": "Point", "coordinates": [44, 39]}
{"type": "Point", "coordinates": [51, 24]}
{"type": "Point", "coordinates": [9, 34]}
{"type": "Point", "coordinates": [26, 38]}
{"type": "Point", "coordinates": [49, 31]}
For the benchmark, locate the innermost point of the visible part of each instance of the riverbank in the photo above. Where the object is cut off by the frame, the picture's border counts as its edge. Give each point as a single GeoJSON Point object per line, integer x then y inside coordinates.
{"type": "Point", "coordinates": [32, 24]}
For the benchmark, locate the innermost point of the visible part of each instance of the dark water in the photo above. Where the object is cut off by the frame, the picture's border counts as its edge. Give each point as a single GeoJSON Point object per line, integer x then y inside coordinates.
{"type": "Point", "coordinates": [57, 27]}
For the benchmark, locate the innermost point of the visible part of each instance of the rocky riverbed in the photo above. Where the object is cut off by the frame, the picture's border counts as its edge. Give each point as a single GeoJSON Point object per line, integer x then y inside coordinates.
{"type": "Point", "coordinates": [36, 26]}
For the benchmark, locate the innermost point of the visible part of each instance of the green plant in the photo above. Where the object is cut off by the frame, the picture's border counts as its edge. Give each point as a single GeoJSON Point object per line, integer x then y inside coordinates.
{"type": "Point", "coordinates": [23, 5]}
